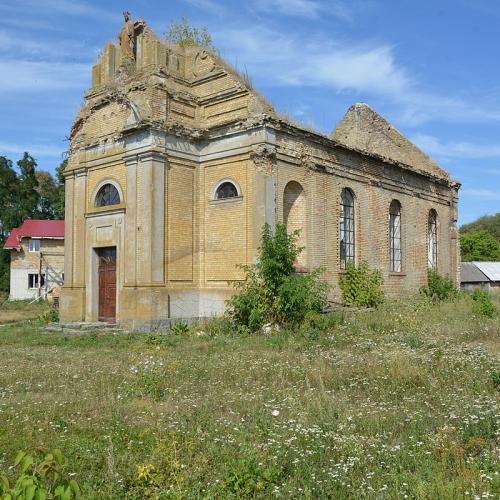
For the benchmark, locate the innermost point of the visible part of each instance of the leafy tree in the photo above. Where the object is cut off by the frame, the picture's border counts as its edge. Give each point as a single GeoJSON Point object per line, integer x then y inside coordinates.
{"type": "Point", "coordinates": [28, 196]}
{"type": "Point", "coordinates": [479, 245]}
{"type": "Point", "coordinates": [490, 223]}
{"type": "Point", "coordinates": [183, 34]}
{"type": "Point", "coordinates": [9, 184]}
{"type": "Point", "coordinates": [59, 204]}
{"type": "Point", "coordinates": [272, 292]}
{"type": "Point", "coordinates": [48, 195]}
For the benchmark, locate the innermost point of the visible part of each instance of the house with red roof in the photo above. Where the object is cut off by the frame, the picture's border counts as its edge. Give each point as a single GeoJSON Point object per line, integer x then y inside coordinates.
{"type": "Point", "coordinates": [36, 259]}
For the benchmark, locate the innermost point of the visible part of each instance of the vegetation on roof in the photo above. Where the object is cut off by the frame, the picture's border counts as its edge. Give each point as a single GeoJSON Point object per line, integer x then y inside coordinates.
{"type": "Point", "coordinates": [184, 34]}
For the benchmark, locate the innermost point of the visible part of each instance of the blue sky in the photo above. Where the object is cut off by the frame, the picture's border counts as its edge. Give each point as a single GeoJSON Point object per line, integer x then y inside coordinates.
{"type": "Point", "coordinates": [430, 67]}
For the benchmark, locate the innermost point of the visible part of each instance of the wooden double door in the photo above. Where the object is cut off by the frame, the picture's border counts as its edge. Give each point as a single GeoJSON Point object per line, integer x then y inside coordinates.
{"type": "Point", "coordinates": [107, 284]}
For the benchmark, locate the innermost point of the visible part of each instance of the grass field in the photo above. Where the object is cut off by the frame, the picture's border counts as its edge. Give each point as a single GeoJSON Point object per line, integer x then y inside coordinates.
{"type": "Point", "coordinates": [402, 402]}
{"type": "Point", "coordinates": [20, 310]}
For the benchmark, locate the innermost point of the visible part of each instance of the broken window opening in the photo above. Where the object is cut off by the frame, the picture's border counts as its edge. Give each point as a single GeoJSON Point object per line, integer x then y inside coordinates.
{"type": "Point", "coordinates": [33, 280]}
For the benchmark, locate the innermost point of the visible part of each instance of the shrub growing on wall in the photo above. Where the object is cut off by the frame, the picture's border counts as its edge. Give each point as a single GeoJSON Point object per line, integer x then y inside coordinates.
{"type": "Point", "coordinates": [361, 286]}
{"type": "Point", "coordinates": [272, 292]}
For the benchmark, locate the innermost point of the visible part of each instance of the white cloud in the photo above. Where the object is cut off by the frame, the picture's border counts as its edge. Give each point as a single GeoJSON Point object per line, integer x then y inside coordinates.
{"type": "Point", "coordinates": [284, 59]}
{"type": "Point", "coordinates": [367, 69]}
{"type": "Point", "coordinates": [304, 8]}
{"type": "Point", "coordinates": [209, 5]}
{"type": "Point", "coordinates": [26, 47]}
{"type": "Point", "coordinates": [33, 77]}
{"type": "Point", "coordinates": [485, 194]}
{"type": "Point", "coordinates": [462, 149]}
{"type": "Point", "coordinates": [301, 8]}
{"type": "Point", "coordinates": [67, 7]}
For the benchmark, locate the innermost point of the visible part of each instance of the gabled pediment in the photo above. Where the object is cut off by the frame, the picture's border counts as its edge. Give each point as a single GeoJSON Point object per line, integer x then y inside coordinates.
{"type": "Point", "coordinates": [363, 129]}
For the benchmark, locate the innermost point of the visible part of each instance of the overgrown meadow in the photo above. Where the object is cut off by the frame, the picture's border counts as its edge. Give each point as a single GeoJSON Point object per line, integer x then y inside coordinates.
{"type": "Point", "coordinates": [399, 402]}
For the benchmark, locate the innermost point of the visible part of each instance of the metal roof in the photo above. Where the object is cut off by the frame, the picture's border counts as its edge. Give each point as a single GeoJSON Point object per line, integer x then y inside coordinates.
{"type": "Point", "coordinates": [469, 273]}
{"type": "Point", "coordinates": [34, 228]}
{"type": "Point", "coordinates": [490, 269]}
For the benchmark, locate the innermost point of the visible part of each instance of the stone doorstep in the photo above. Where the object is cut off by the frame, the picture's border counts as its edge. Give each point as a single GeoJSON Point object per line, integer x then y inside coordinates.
{"type": "Point", "coordinates": [82, 327]}
{"type": "Point", "coordinates": [85, 325]}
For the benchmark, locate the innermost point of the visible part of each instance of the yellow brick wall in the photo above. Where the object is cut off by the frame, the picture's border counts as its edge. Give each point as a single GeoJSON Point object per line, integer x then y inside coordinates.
{"type": "Point", "coordinates": [106, 120]}
{"type": "Point", "coordinates": [226, 224]}
{"type": "Point", "coordinates": [294, 216]}
{"type": "Point", "coordinates": [180, 214]}
{"type": "Point", "coordinates": [116, 172]}
{"type": "Point", "coordinates": [231, 109]}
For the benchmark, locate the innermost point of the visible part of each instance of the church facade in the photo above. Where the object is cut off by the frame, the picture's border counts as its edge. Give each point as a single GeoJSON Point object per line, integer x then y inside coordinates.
{"type": "Point", "coordinates": [175, 164]}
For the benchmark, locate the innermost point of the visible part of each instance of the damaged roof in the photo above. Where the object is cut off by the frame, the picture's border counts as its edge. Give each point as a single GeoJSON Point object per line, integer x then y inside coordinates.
{"type": "Point", "coordinates": [363, 129]}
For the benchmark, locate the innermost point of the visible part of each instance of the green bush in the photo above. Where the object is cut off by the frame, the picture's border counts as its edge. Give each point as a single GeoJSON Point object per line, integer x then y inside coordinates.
{"type": "Point", "coordinates": [41, 477]}
{"type": "Point", "coordinates": [180, 328]}
{"type": "Point", "coordinates": [439, 287]}
{"type": "Point", "coordinates": [272, 292]}
{"type": "Point", "coordinates": [361, 286]}
{"type": "Point", "coordinates": [482, 304]}
{"type": "Point", "coordinates": [49, 316]}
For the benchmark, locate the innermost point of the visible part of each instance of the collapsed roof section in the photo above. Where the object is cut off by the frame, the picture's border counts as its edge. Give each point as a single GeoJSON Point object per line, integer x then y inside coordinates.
{"type": "Point", "coordinates": [189, 90]}
{"type": "Point", "coordinates": [363, 129]}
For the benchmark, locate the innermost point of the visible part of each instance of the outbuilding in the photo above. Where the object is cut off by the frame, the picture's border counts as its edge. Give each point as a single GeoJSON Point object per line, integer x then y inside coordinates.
{"type": "Point", "coordinates": [36, 258]}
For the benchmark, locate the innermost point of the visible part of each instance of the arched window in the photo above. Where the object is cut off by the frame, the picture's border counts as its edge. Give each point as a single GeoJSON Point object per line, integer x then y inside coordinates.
{"type": "Point", "coordinates": [395, 236]}
{"type": "Point", "coordinates": [432, 241]}
{"type": "Point", "coordinates": [346, 228]}
{"type": "Point", "coordinates": [226, 190]}
{"type": "Point", "coordinates": [294, 217]}
{"type": "Point", "coordinates": [107, 195]}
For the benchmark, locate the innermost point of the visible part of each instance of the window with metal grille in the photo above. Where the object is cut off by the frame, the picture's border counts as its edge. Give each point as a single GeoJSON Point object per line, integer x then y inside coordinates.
{"type": "Point", "coordinates": [346, 228]}
{"type": "Point", "coordinates": [395, 236]}
{"type": "Point", "coordinates": [107, 195]}
{"type": "Point", "coordinates": [226, 190]}
{"type": "Point", "coordinates": [432, 240]}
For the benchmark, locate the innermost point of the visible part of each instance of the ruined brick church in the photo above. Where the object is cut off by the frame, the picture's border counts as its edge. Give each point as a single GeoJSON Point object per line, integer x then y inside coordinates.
{"type": "Point", "coordinates": [176, 162]}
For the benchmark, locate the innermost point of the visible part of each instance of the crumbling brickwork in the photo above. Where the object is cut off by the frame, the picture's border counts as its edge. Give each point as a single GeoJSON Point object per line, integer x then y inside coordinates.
{"type": "Point", "coordinates": [168, 125]}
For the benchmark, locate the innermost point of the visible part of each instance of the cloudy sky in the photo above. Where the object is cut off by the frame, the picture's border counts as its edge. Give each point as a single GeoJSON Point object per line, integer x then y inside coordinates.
{"type": "Point", "coordinates": [430, 67]}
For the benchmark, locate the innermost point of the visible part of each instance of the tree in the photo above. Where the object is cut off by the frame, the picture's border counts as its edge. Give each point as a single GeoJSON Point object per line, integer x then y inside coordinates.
{"type": "Point", "coordinates": [479, 245]}
{"type": "Point", "coordinates": [9, 214]}
{"type": "Point", "coordinates": [28, 197]}
{"type": "Point", "coordinates": [490, 223]}
{"type": "Point", "coordinates": [183, 34]}
{"type": "Point", "coordinates": [48, 195]}
{"type": "Point", "coordinates": [29, 193]}
{"type": "Point", "coordinates": [9, 184]}
{"type": "Point", "coordinates": [272, 292]}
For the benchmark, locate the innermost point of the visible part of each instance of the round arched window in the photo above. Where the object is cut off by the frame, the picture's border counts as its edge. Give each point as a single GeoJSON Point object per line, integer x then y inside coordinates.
{"type": "Point", "coordinates": [226, 190]}
{"type": "Point", "coordinates": [107, 195]}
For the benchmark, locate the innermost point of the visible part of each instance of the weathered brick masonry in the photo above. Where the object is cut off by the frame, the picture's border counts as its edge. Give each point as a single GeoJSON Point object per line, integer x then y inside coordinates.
{"type": "Point", "coordinates": [172, 129]}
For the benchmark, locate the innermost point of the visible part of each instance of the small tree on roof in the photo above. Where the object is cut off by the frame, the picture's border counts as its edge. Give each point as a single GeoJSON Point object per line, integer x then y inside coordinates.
{"type": "Point", "coordinates": [183, 34]}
